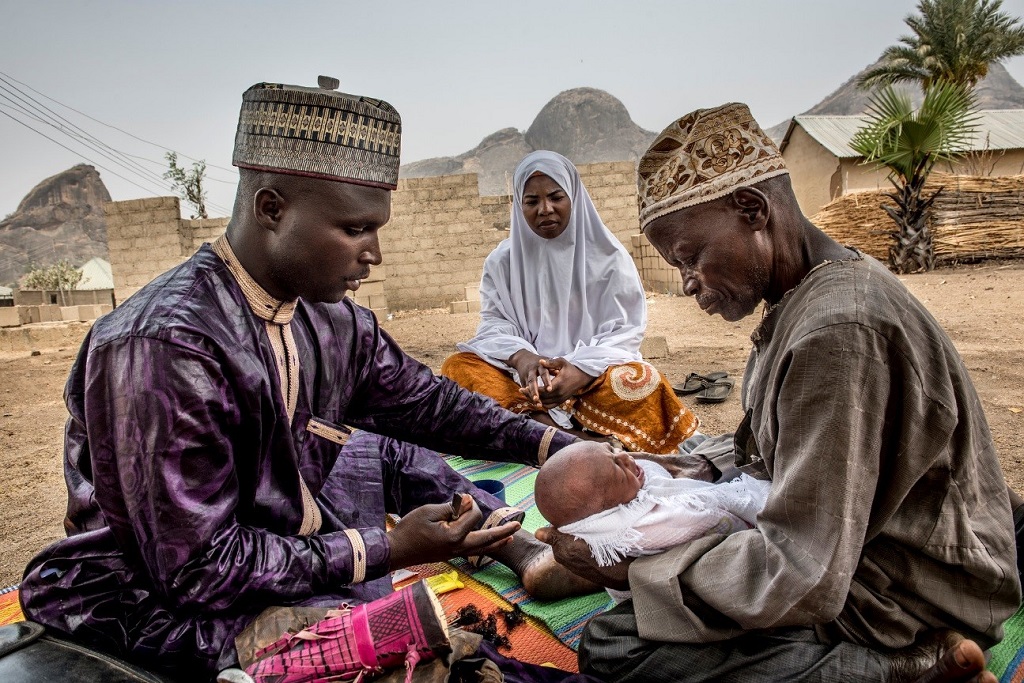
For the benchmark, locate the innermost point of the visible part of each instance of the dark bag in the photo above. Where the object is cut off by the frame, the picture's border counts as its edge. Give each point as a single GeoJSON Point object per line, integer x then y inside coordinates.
{"type": "Point", "coordinates": [28, 654]}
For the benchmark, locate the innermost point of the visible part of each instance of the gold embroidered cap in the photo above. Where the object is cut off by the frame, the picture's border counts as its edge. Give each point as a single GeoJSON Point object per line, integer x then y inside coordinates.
{"type": "Point", "coordinates": [320, 133]}
{"type": "Point", "coordinates": [703, 156]}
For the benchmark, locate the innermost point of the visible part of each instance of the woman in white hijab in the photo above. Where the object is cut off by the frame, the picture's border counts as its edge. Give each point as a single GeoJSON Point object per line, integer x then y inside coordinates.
{"type": "Point", "coordinates": [562, 316]}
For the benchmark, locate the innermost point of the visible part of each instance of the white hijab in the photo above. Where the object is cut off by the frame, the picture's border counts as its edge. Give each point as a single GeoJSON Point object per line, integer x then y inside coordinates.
{"type": "Point", "coordinates": [577, 296]}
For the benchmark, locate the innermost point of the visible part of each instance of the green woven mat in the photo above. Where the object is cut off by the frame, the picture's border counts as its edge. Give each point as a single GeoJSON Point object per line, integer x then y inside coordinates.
{"type": "Point", "coordinates": [1007, 658]}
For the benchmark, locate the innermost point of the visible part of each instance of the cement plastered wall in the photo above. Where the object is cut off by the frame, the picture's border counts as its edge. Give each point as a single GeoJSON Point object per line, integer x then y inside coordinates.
{"type": "Point", "coordinates": [77, 297]}
{"type": "Point", "coordinates": [813, 170]}
{"type": "Point", "coordinates": [440, 232]}
{"type": "Point", "coordinates": [819, 176]}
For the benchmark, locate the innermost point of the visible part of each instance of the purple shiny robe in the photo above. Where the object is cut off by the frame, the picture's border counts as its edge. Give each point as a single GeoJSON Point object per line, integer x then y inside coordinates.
{"type": "Point", "coordinates": [183, 494]}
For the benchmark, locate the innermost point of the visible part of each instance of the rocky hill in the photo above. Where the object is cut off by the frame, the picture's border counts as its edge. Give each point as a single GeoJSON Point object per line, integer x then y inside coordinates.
{"type": "Point", "coordinates": [60, 218]}
{"type": "Point", "coordinates": [586, 125]}
{"type": "Point", "coordinates": [998, 90]}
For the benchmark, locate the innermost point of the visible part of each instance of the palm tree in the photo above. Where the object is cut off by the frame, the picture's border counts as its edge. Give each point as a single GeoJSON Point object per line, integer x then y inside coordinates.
{"type": "Point", "coordinates": [953, 41]}
{"type": "Point", "coordinates": [910, 143]}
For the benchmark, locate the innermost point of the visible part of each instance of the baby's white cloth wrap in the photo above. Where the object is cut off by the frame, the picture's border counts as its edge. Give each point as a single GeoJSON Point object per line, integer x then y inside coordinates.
{"type": "Point", "coordinates": [667, 512]}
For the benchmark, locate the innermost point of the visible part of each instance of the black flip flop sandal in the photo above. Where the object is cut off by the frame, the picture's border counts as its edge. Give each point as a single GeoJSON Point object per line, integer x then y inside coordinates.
{"type": "Point", "coordinates": [696, 382]}
{"type": "Point", "coordinates": [715, 392]}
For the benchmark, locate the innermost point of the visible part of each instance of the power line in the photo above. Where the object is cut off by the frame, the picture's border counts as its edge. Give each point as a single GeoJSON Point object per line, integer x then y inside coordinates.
{"type": "Point", "coordinates": [96, 145]}
{"type": "Point", "coordinates": [128, 180]}
{"type": "Point", "coordinates": [120, 130]}
{"type": "Point", "coordinates": [129, 166]}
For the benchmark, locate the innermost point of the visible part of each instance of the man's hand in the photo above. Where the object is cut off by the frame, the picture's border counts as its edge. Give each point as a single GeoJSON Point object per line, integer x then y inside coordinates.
{"type": "Point", "coordinates": [436, 533]}
{"type": "Point", "coordinates": [574, 555]}
{"type": "Point", "coordinates": [566, 381]}
{"type": "Point", "coordinates": [684, 466]}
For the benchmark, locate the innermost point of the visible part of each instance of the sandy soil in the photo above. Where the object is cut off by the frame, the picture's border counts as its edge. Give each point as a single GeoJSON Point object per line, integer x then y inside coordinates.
{"type": "Point", "coordinates": [980, 307]}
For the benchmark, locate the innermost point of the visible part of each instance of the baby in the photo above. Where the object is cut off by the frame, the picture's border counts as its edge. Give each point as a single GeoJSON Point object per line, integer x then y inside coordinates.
{"type": "Point", "coordinates": [623, 505]}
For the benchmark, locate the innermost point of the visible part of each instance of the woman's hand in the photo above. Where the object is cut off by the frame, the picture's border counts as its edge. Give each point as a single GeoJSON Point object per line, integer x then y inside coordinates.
{"type": "Point", "coordinates": [437, 533]}
{"type": "Point", "coordinates": [533, 376]}
{"type": "Point", "coordinates": [567, 381]}
{"type": "Point", "coordinates": [575, 555]}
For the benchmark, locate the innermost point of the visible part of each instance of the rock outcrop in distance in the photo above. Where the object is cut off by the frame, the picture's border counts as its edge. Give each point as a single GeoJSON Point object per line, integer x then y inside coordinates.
{"type": "Point", "coordinates": [60, 218]}
{"type": "Point", "coordinates": [586, 125]}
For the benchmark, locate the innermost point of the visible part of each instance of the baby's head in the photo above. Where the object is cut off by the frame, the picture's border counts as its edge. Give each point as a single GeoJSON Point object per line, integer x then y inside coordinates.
{"type": "Point", "coordinates": [583, 479]}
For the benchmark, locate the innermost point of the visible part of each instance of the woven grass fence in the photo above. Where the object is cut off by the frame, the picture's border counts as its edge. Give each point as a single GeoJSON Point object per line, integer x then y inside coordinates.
{"type": "Point", "coordinates": [975, 217]}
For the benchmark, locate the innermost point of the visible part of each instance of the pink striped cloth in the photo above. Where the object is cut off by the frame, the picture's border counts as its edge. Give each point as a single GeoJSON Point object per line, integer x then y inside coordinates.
{"type": "Point", "coordinates": [403, 628]}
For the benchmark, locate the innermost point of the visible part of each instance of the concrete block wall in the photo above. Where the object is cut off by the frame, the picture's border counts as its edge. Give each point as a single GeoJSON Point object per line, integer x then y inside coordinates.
{"type": "Point", "coordinates": [147, 237]}
{"type": "Point", "coordinates": [441, 231]}
{"type": "Point", "coordinates": [436, 241]}
{"type": "Point", "coordinates": [496, 211]}
{"type": "Point", "coordinates": [371, 293]}
{"type": "Point", "coordinates": [43, 313]}
{"type": "Point", "coordinates": [144, 240]}
{"type": "Point", "coordinates": [612, 186]}
{"type": "Point", "coordinates": [194, 232]}
{"type": "Point", "coordinates": [656, 274]}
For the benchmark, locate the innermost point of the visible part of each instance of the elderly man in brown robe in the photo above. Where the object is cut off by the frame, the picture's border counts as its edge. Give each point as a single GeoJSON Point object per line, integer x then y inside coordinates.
{"type": "Point", "coordinates": [888, 536]}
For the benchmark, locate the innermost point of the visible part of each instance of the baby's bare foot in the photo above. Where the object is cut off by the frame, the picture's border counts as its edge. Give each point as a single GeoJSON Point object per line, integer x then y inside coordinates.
{"type": "Point", "coordinates": [545, 579]}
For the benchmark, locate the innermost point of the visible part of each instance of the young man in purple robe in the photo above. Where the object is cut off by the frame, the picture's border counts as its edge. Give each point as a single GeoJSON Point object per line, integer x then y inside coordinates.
{"type": "Point", "coordinates": [211, 469]}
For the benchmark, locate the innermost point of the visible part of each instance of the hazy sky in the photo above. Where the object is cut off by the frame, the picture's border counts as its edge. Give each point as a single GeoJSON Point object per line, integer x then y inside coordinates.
{"type": "Point", "coordinates": [173, 72]}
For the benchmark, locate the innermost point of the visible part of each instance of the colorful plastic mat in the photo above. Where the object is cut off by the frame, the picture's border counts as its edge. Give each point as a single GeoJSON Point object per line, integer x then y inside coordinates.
{"type": "Point", "coordinates": [10, 608]}
{"type": "Point", "coordinates": [1007, 658]}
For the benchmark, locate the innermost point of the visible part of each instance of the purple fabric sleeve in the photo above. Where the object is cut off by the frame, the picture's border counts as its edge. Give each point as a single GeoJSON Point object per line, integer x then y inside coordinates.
{"type": "Point", "coordinates": [165, 451]}
{"type": "Point", "coordinates": [403, 398]}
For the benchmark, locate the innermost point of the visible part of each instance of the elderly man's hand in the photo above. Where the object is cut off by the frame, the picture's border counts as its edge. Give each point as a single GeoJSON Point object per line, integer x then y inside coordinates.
{"type": "Point", "coordinates": [684, 466]}
{"type": "Point", "coordinates": [574, 555]}
{"type": "Point", "coordinates": [435, 533]}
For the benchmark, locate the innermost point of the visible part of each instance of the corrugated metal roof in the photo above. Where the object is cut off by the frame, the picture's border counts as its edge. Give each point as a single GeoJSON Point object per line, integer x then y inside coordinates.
{"type": "Point", "coordinates": [6, 293]}
{"type": "Point", "coordinates": [96, 274]}
{"type": "Point", "coordinates": [997, 129]}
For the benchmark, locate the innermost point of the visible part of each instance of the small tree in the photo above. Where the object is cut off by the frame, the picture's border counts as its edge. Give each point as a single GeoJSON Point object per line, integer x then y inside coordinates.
{"type": "Point", "coordinates": [910, 143]}
{"type": "Point", "coordinates": [188, 184]}
{"type": "Point", "coordinates": [61, 277]}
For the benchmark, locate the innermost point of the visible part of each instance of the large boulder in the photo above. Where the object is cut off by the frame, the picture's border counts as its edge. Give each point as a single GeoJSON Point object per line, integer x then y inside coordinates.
{"type": "Point", "coordinates": [60, 218]}
{"type": "Point", "coordinates": [584, 124]}
{"type": "Point", "coordinates": [588, 125]}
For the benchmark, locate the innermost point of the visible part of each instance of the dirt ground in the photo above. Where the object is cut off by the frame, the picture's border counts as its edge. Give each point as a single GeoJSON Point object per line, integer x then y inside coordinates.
{"type": "Point", "coordinates": [980, 306]}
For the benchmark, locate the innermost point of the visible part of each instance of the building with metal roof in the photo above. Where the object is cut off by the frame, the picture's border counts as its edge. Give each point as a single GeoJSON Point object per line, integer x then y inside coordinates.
{"type": "Point", "coordinates": [823, 166]}
{"type": "Point", "coordinates": [95, 287]}
{"type": "Point", "coordinates": [96, 274]}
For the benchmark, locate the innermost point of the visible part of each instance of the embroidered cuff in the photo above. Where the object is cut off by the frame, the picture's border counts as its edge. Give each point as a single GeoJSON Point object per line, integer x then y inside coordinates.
{"type": "Point", "coordinates": [355, 555]}
{"type": "Point", "coordinates": [545, 445]}
{"type": "Point", "coordinates": [358, 555]}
